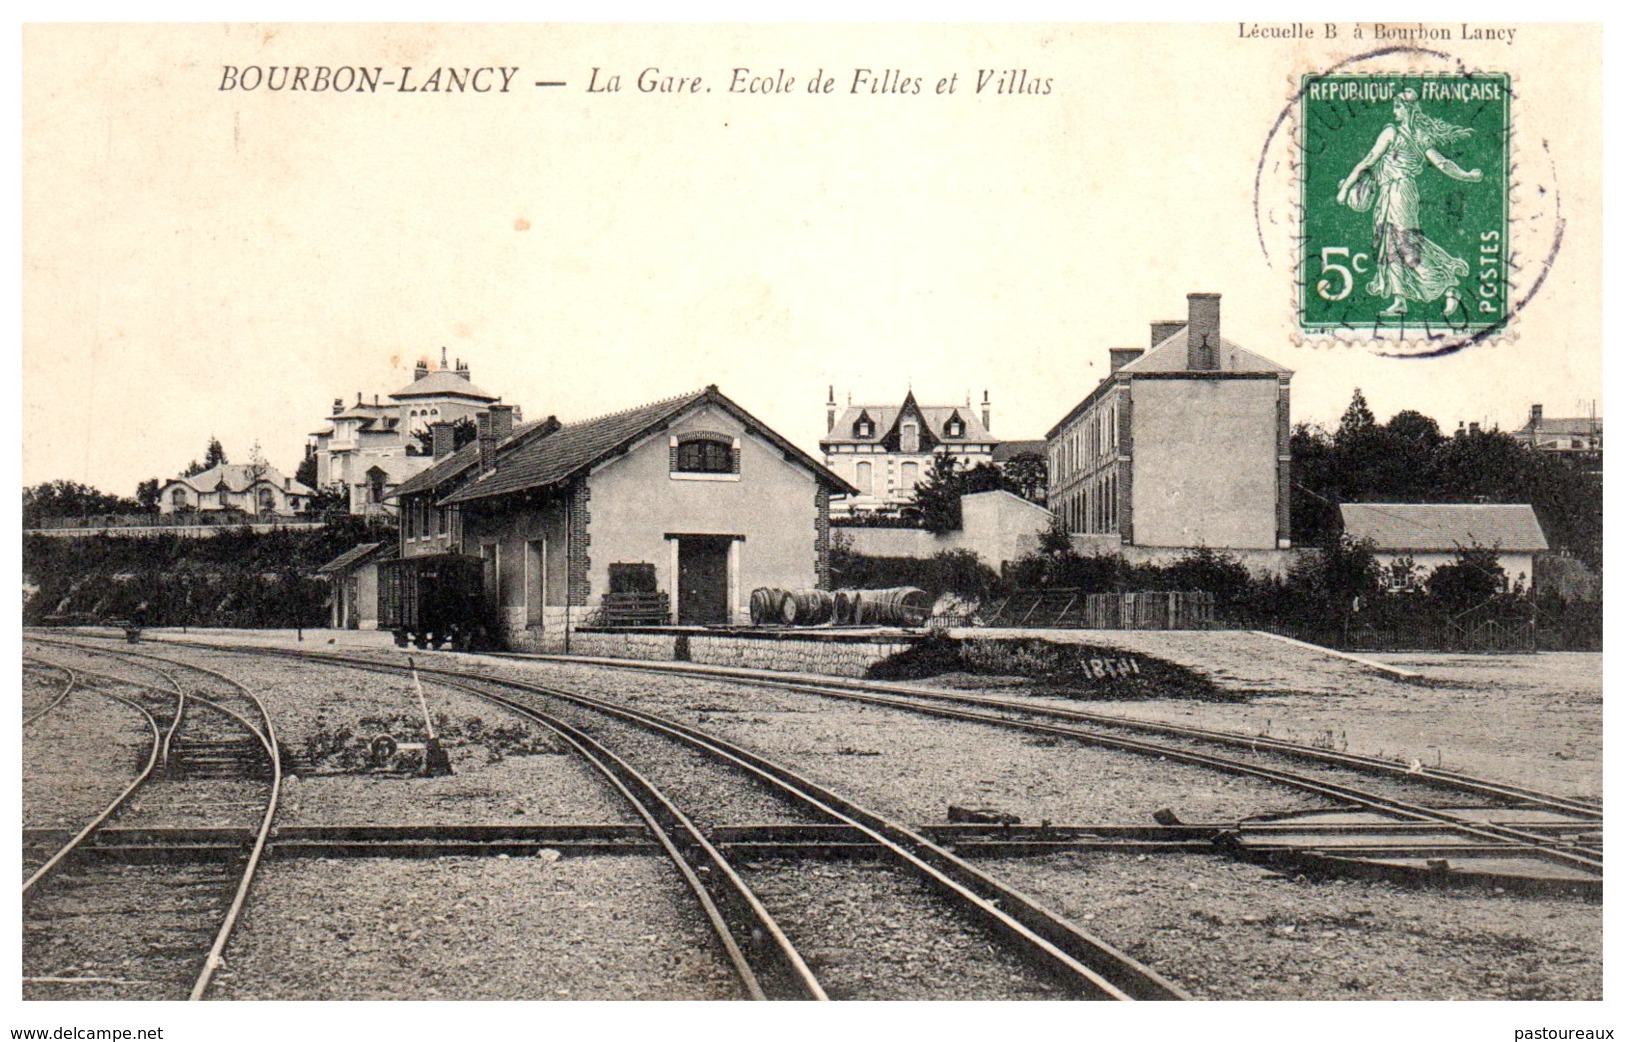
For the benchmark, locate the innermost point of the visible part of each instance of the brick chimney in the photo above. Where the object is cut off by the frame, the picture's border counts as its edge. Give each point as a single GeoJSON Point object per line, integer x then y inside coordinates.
{"type": "Point", "coordinates": [830, 408]}
{"type": "Point", "coordinates": [1536, 414]}
{"type": "Point", "coordinates": [421, 370]}
{"type": "Point", "coordinates": [488, 442]}
{"type": "Point", "coordinates": [462, 369]}
{"type": "Point", "coordinates": [1202, 332]}
{"type": "Point", "coordinates": [987, 413]}
{"type": "Point", "coordinates": [1164, 329]}
{"type": "Point", "coordinates": [443, 436]}
{"type": "Point", "coordinates": [338, 406]}
{"type": "Point", "coordinates": [1122, 356]}
{"type": "Point", "coordinates": [501, 421]}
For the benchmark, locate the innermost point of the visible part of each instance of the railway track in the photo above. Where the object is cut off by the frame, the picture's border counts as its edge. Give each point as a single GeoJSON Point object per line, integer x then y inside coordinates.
{"type": "Point", "coordinates": [94, 928]}
{"type": "Point", "coordinates": [46, 673]}
{"type": "Point", "coordinates": [1076, 963]}
{"type": "Point", "coordinates": [1423, 829]}
{"type": "Point", "coordinates": [1583, 854]}
{"type": "Point", "coordinates": [834, 687]}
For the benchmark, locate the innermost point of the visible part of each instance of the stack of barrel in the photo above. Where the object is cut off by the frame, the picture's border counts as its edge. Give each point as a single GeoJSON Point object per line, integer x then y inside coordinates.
{"type": "Point", "coordinates": [897, 606]}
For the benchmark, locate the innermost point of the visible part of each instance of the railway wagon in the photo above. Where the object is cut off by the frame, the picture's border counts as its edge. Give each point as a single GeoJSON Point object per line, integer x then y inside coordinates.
{"type": "Point", "coordinates": [435, 600]}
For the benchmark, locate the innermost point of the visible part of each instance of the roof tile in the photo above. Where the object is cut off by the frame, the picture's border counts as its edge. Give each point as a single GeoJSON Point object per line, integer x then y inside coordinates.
{"type": "Point", "coordinates": [1444, 527]}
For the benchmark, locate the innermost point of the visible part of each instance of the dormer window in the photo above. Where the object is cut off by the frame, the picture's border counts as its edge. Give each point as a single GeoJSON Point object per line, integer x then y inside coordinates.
{"type": "Point", "coordinates": [911, 436]}
{"type": "Point", "coordinates": [864, 428]}
{"type": "Point", "coordinates": [955, 428]}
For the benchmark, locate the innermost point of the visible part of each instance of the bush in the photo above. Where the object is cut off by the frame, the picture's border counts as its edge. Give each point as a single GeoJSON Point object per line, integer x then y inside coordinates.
{"type": "Point", "coordinates": [960, 572]}
{"type": "Point", "coordinates": [237, 578]}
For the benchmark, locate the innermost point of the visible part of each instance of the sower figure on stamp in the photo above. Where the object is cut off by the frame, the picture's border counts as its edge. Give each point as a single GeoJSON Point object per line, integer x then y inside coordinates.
{"type": "Point", "coordinates": [1409, 266]}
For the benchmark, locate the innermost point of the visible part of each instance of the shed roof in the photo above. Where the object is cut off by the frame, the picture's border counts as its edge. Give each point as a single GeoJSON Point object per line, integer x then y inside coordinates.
{"type": "Point", "coordinates": [351, 557]}
{"type": "Point", "coordinates": [1444, 527]}
{"type": "Point", "coordinates": [449, 467]}
{"type": "Point", "coordinates": [577, 447]}
{"type": "Point", "coordinates": [1005, 451]}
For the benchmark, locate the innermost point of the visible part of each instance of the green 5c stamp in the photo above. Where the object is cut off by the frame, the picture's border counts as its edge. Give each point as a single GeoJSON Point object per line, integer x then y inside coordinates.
{"type": "Point", "coordinates": [1404, 206]}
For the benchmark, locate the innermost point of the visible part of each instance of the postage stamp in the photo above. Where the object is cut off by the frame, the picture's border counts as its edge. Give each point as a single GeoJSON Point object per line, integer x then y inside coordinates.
{"type": "Point", "coordinates": [1405, 203]}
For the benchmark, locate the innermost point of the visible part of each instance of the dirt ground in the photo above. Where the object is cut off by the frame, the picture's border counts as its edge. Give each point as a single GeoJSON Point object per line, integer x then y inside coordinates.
{"type": "Point", "coordinates": [1532, 720]}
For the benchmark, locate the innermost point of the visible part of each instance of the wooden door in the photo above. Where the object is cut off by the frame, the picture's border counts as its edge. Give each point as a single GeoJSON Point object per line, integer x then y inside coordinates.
{"type": "Point", "coordinates": [702, 580]}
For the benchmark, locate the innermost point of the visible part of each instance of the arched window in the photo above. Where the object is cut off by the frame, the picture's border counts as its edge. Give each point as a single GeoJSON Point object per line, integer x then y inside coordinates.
{"type": "Point", "coordinates": [177, 499]}
{"type": "Point", "coordinates": [911, 476]}
{"type": "Point", "coordinates": [911, 438]}
{"type": "Point", "coordinates": [267, 501]}
{"type": "Point", "coordinates": [704, 456]}
{"type": "Point", "coordinates": [375, 485]}
{"type": "Point", "coordinates": [866, 478]}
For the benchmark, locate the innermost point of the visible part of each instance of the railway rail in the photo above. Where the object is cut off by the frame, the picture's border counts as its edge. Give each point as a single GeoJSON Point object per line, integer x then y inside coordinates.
{"type": "Point", "coordinates": [69, 682]}
{"type": "Point", "coordinates": [1585, 855]}
{"type": "Point", "coordinates": [839, 828]}
{"type": "Point", "coordinates": [1083, 965]}
{"type": "Point", "coordinates": [200, 740]}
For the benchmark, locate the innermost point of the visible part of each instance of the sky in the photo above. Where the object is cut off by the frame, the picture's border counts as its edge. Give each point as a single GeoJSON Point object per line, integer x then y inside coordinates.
{"type": "Point", "coordinates": [200, 261]}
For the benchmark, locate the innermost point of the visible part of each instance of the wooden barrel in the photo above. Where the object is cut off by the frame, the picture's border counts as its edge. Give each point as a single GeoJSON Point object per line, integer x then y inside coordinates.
{"type": "Point", "coordinates": [845, 602]}
{"type": "Point", "coordinates": [766, 606]}
{"type": "Point", "coordinates": [897, 606]}
{"type": "Point", "coordinates": [808, 607]}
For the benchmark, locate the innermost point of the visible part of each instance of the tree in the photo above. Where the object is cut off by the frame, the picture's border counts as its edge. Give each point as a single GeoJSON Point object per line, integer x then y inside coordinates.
{"type": "Point", "coordinates": [1329, 585]}
{"type": "Point", "coordinates": [936, 497]}
{"type": "Point", "coordinates": [258, 468]}
{"type": "Point", "coordinates": [1411, 427]}
{"type": "Point", "coordinates": [1358, 419]}
{"type": "Point", "coordinates": [146, 493]}
{"type": "Point", "coordinates": [212, 456]}
{"type": "Point", "coordinates": [1474, 577]}
{"type": "Point", "coordinates": [71, 499]}
{"type": "Point", "coordinates": [985, 477]}
{"type": "Point", "coordinates": [330, 501]}
{"type": "Point", "coordinates": [1028, 475]}
{"type": "Point", "coordinates": [464, 431]}
{"type": "Point", "coordinates": [1316, 488]}
{"type": "Point", "coordinates": [306, 472]}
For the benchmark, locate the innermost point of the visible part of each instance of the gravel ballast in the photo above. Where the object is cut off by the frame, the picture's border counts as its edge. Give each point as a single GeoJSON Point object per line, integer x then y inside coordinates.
{"type": "Point", "coordinates": [78, 757]}
{"type": "Point", "coordinates": [1218, 928]}
{"type": "Point", "coordinates": [1227, 930]}
{"type": "Point", "coordinates": [474, 928]}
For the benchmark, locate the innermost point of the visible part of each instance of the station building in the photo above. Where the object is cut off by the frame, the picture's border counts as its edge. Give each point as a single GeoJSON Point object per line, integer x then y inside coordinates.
{"type": "Point", "coordinates": [1184, 444]}
{"type": "Point", "coordinates": [692, 489]}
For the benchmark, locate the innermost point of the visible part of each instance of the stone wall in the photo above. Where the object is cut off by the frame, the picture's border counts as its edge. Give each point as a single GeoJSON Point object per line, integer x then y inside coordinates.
{"type": "Point", "coordinates": [844, 658]}
{"type": "Point", "coordinates": [841, 656]}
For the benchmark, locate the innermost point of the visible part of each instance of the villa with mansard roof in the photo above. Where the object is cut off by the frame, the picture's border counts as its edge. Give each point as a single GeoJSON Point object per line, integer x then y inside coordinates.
{"type": "Point", "coordinates": [884, 451]}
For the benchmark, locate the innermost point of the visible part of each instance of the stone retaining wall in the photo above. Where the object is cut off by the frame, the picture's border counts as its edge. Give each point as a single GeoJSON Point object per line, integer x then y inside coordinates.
{"type": "Point", "coordinates": [839, 655]}
{"type": "Point", "coordinates": [849, 658]}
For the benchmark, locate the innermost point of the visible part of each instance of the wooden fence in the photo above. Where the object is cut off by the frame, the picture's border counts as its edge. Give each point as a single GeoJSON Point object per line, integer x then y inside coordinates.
{"type": "Point", "coordinates": [1076, 609]}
